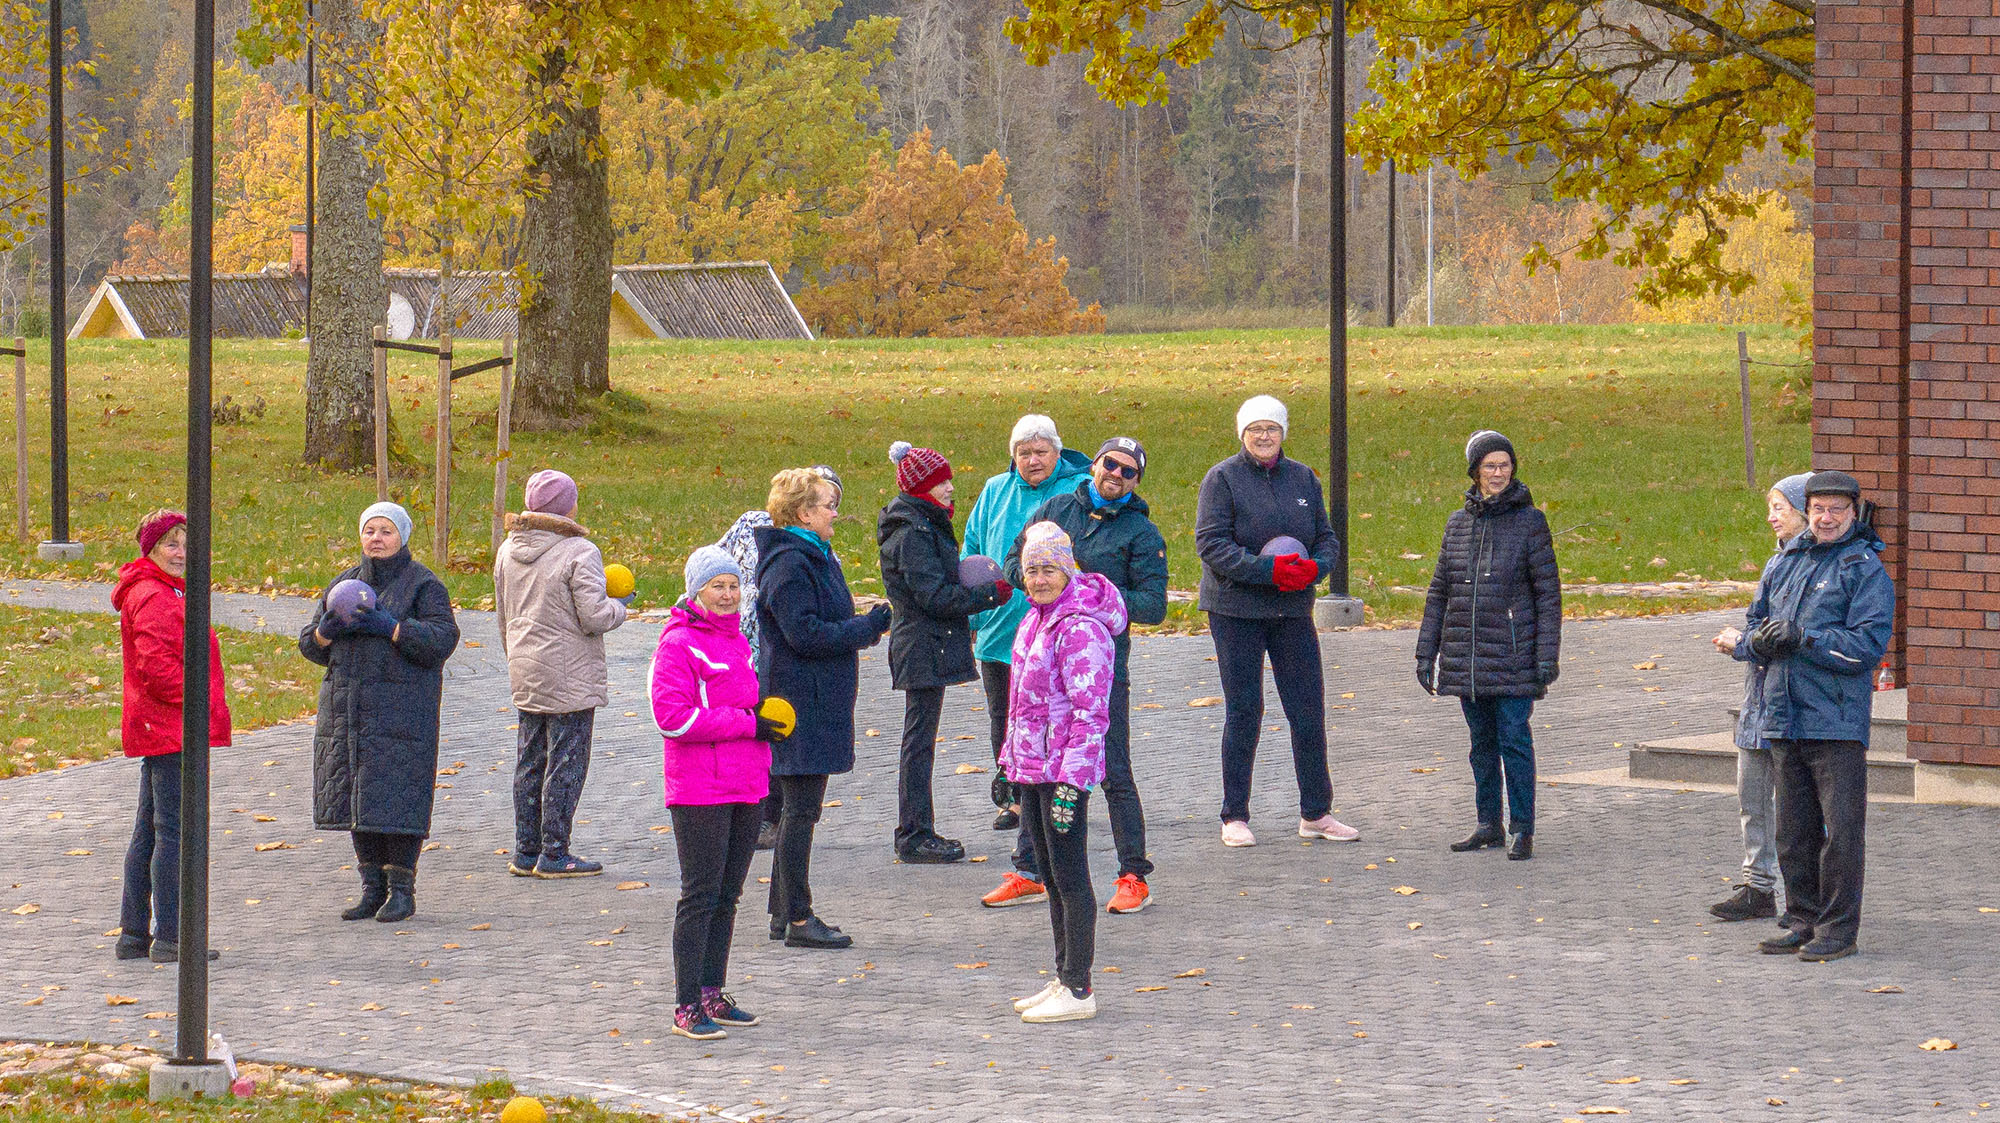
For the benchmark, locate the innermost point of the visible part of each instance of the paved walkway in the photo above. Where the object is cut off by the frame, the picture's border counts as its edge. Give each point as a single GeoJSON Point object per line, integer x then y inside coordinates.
{"type": "Point", "coordinates": [1286, 981]}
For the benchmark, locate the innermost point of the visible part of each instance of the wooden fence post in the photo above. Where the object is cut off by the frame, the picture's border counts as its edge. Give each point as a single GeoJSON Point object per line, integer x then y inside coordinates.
{"type": "Point", "coordinates": [381, 386]}
{"type": "Point", "coordinates": [502, 440]}
{"type": "Point", "coordinates": [21, 438]}
{"type": "Point", "coordinates": [441, 492]}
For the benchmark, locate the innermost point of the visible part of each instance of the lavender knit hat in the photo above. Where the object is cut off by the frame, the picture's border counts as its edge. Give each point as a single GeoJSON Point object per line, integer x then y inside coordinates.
{"type": "Point", "coordinates": [1047, 544]}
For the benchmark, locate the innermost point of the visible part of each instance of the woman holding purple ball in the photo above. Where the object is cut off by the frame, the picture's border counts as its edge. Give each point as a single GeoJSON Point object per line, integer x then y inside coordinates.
{"type": "Point", "coordinates": [376, 745]}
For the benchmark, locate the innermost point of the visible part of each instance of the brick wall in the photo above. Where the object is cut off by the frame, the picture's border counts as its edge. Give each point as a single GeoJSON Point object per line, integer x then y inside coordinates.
{"type": "Point", "coordinates": [1907, 278]}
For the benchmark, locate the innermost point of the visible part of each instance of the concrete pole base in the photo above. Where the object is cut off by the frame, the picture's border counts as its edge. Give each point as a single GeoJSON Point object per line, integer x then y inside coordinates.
{"type": "Point", "coordinates": [1337, 612]}
{"type": "Point", "coordinates": [60, 551]}
{"type": "Point", "coordinates": [170, 1080]}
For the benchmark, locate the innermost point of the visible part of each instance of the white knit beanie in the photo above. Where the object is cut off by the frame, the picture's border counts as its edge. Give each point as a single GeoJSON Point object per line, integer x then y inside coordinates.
{"type": "Point", "coordinates": [1263, 407]}
{"type": "Point", "coordinates": [1033, 427]}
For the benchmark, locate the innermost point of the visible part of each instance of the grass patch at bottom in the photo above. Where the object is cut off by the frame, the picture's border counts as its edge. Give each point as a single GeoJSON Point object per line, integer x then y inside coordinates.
{"type": "Point", "coordinates": [62, 676]}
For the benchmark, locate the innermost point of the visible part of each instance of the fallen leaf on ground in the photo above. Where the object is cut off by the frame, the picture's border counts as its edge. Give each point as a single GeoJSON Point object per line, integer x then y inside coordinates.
{"type": "Point", "coordinates": [831, 803]}
{"type": "Point", "coordinates": [1404, 890]}
{"type": "Point", "coordinates": [618, 931]}
{"type": "Point", "coordinates": [1683, 1080]}
{"type": "Point", "coordinates": [1539, 1045]}
{"type": "Point", "coordinates": [970, 966]}
{"type": "Point", "coordinates": [76, 853]}
{"type": "Point", "coordinates": [969, 768]}
{"type": "Point", "coordinates": [281, 844]}
{"type": "Point", "coordinates": [120, 1000]}
{"type": "Point", "coordinates": [1889, 989]}
{"type": "Point", "coordinates": [1192, 973]}
{"type": "Point", "coordinates": [1623, 1080]}
{"type": "Point", "coordinates": [624, 885]}
{"type": "Point", "coordinates": [1774, 1101]}
{"type": "Point", "coordinates": [35, 1001]}
{"type": "Point", "coordinates": [1144, 990]}
{"type": "Point", "coordinates": [1151, 706]}
{"type": "Point", "coordinates": [978, 858]}
{"type": "Point", "coordinates": [1983, 908]}
{"type": "Point", "coordinates": [1415, 924]}
{"type": "Point", "coordinates": [158, 1015]}
{"type": "Point", "coordinates": [1303, 1006]}
{"type": "Point", "coordinates": [1210, 701]}
{"type": "Point", "coordinates": [453, 947]}
{"type": "Point", "coordinates": [1648, 665]}
{"type": "Point", "coordinates": [871, 733]}
{"type": "Point", "coordinates": [29, 909]}
{"type": "Point", "coordinates": [1422, 771]}
{"type": "Point", "coordinates": [480, 928]}
{"type": "Point", "coordinates": [265, 818]}
{"type": "Point", "coordinates": [1938, 1045]}
{"type": "Point", "coordinates": [371, 1006]}
{"type": "Point", "coordinates": [1359, 1033]}
{"type": "Point", "coordinates": [1603, 1109]}
{"type": "Point", "coordinates": [600, 943]}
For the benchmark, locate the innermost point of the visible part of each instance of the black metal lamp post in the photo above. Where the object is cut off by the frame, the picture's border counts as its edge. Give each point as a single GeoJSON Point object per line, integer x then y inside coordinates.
{"type": "Point", "coordinates": [1339, 609]}
{"type": "Point", "coordinates": [58, 547]}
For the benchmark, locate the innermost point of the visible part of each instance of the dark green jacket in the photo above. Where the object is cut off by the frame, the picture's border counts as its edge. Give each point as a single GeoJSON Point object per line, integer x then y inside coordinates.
{"type": "Point", "coordinates": [1119, 542]}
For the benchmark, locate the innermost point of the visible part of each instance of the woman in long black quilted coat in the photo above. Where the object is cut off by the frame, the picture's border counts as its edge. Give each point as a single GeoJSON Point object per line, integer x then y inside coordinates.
{"type": "Point", "coordinates": [1492, 635]}
{"type": "Point", "coordinates": [376, 746]}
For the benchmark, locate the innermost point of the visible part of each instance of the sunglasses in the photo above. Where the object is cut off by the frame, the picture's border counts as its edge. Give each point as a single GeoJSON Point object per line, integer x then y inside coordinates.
{"type": "Point", "coordinates": [1125, 470]}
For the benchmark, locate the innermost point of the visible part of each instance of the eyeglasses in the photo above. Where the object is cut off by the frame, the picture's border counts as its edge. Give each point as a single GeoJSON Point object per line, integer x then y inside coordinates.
{"type": "Point", "coordinates": [1264, 431]}
{"type": "Point", "coordinates": [1121, 468]}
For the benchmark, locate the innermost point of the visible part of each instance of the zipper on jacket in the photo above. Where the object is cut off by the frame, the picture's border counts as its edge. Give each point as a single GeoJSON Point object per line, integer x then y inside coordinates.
{"type": "Point", "coordinates": [1478, 545]}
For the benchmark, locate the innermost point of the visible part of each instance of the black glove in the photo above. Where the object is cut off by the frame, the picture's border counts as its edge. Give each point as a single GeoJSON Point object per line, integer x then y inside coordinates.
{"type": "Point", "coordinates": [1776, 639]}
{"type": "Point", "coordinates": [1003, 789]}
{"type": "Point", "coordinates": [333, 625]}
{"type": "Point", "coordinates": [1427, 675]}
{"type": "Point", "coordinates": [768, 730]}
{"type": "Point", "coordinates": [1546, 674]}
{"type": "Point", "coordinates": [377, 621]}
{"type": "Point", "coordinates": [879, 617]}
{"type": "Point", "coordinates": [1062, 807]}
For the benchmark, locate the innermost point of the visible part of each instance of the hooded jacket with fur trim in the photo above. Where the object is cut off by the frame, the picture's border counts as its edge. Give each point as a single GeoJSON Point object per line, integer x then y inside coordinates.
{"type": "Point", "coordinates": [548, 586]}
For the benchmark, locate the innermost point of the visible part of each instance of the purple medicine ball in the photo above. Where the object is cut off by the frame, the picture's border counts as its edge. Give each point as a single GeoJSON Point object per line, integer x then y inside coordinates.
{"type": "Point", "coordinates": [349, 599]}
{"type": "Point", "coordinates": [1284, 544]}
{"type": "Point", "coordinates": [978, 570]}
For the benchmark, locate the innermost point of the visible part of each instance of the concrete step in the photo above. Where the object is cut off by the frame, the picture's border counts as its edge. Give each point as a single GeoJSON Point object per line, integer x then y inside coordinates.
{"type": "Point", "coordinates": [1710, 758]}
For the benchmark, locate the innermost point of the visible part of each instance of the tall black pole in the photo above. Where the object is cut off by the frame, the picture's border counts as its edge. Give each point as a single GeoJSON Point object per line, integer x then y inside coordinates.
{"type": "Point", "coordinates": [1389, 288]}
{"type": "Point", "coordinates": [191, 1046]}
{"type": "Point", "coordinates": [58, 295]}
{"type": "Point", "coordinates": [1336, 283]}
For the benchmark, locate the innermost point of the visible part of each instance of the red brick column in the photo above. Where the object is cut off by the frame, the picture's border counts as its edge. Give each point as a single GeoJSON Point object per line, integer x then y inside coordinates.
{"type": "Point", "coordinates": [1906, 333]}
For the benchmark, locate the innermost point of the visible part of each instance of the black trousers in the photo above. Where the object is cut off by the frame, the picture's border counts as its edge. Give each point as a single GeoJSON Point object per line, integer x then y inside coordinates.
{"type": "Point", "coordinates": [1822, 832]}
{"type": "Point", "coordinates": [1121, 795]}
{"type": "Point", "coordinates": [1072, 902]}
{"type": "Point", "coordinates": [715, 842]}
{"type": "Point", "coordinates": [994, 679]}
{"type": "Point", "coordinates": [922, 707]}
{"type": "Point", "coordinates": [1240, 646]}
{"type": "Point", "coordinates": [376, 849]}
{"type": "Point", "coordinates": [791, 864]}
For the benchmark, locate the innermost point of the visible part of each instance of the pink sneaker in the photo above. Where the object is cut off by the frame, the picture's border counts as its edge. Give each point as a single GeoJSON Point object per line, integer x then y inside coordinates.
{"type": "Point", "coordinates": [1236, 833]}
{"type": "Point", "coordinates": [1328, 827]}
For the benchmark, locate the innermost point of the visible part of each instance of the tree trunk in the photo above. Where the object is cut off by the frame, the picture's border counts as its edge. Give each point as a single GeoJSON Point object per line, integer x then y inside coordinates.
{"type": "Point", "coordinates": [566, 308]}
{"type": "Point", "coordinates": [347, 292]}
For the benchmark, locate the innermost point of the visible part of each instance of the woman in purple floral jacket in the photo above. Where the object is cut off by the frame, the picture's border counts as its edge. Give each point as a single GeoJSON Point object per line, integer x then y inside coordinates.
{"type": "Point", "coordinates": [1058, 709]}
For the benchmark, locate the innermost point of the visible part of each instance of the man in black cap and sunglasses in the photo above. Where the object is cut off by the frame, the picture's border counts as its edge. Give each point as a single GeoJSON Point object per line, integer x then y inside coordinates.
{"type": "Point", "coordinates": [1114, 536]}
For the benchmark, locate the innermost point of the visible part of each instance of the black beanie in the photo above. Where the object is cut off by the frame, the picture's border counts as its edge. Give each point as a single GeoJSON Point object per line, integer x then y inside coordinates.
{"type": "Point", "coordinates": [1484, 443]}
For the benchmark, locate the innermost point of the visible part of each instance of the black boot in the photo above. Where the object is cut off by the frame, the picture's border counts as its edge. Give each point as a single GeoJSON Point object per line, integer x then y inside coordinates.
{"type": "Point", "coordinates": [374, 890]}
{"type": "Point", "coordinates": [1523, 848]}
{"type": "Point", "coordinates": [1748, 903]}
{"type": "Point", "coordinates": [402, 903]}
{"type": "Point", "coordinates": [1487, 835]}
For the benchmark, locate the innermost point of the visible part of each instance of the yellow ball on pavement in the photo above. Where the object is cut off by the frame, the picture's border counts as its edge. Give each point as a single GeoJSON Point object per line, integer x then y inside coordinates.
{"type": "Point", "coordinates": [524, 1109]}
{"type": "Point", "coordinates": [618, 581]}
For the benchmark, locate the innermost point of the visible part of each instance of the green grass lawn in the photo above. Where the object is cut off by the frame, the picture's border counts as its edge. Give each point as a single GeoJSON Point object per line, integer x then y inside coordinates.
{"type": "Point", "coordinates": [1629, 435]}
{"type": "Point", "coordinates": [61, 692]}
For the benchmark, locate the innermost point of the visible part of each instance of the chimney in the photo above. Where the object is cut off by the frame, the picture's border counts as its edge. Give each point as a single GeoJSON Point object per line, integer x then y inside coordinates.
{"type": "Point", "coordinates": [300, 266]}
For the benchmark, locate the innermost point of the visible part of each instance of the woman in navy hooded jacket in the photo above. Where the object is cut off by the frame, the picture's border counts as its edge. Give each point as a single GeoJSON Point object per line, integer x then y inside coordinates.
{"type": "Point", "coordinates": [810, 657]}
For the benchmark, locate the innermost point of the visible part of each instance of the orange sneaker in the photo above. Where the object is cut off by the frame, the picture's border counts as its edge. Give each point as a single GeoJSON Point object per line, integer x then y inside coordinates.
{"type": "Point", "coordinates": [1132, 894]}
{"type": "Point", "coordinates": [1014, 890]}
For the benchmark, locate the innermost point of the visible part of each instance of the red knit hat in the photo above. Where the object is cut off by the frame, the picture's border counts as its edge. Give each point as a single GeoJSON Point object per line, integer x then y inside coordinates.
{"type": "Point", "coordinates": [156, 528]}
{"type": "Point", "coordinates": [918, 470]}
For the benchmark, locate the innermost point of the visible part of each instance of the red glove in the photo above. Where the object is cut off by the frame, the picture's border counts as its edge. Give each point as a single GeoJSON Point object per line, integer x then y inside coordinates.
{"type": "Point", "coordinates": [1290, 572]}
{"type": "Point", "coordinates": [1003, 590]}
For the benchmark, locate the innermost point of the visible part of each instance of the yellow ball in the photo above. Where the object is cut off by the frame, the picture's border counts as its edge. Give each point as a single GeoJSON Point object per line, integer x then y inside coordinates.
{"type": "Point", "coordinates": [780, 712]}
{"type": "Point", "coordinates": [618, 581]}
{"type": "Point", "coordinates": [524, 1109]}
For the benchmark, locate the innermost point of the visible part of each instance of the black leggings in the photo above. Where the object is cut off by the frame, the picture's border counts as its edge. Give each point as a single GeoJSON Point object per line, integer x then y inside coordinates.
{"type": "Point", "coordinates": [994, 679]}
{"type": "Point", "coordinates": [791, 866]}
{"type": "Point", "coordinates": [1072, 902]}
{"type": "Point", "coordinates": [715, 842]}
{"type": "Point", "coordinates": [372, 848]}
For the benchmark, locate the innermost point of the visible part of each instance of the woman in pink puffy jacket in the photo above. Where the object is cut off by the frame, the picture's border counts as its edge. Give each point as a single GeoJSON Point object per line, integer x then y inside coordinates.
{"type": "Point", "coordinates": [717, 762]}
{"type": "Point", "coordinates": [1058, 709]}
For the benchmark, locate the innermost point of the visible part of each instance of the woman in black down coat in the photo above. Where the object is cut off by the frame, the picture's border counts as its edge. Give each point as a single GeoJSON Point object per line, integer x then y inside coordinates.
{"type": "Point", "coordinates": [376, 746]}
{"type": "Point", "coordinates": [930, 644]}
{"type": "Point", "coordinates": [1492, 634]}
{"type": "Point", "coordinates": [810, 657]}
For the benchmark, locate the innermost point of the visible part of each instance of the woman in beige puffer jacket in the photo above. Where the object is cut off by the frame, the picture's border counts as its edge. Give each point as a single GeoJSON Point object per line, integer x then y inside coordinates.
{"type": "Point", "coordinates": [548, 585]}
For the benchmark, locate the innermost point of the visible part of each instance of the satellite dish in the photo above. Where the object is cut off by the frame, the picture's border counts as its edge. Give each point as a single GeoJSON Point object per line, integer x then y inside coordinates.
{"type": "Point", "coordinates": [402, 317]}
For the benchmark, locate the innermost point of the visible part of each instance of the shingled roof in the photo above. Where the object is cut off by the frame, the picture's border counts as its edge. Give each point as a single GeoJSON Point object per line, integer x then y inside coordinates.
{"type": "Point", "coordinates": [722, 300]}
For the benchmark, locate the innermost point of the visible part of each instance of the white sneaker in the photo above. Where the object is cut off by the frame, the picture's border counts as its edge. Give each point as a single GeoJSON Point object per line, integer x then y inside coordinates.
{"type": "Point", "coordinates": [1022, 1005]}
{"type": "Point", "coordinates": [1062, 1006]}
{"type": "Point", "coordinates": [1328, 827]}
{"type": "Point", "coordinates": [1236, 833]}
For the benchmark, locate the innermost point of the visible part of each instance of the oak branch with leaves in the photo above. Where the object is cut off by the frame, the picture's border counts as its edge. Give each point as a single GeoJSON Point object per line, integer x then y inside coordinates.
{"type": "Point", "coordinates": [1639, 109]}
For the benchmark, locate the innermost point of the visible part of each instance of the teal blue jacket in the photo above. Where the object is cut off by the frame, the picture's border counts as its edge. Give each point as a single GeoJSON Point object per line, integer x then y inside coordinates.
{"type": "Point", "coordinates": [998, 515]}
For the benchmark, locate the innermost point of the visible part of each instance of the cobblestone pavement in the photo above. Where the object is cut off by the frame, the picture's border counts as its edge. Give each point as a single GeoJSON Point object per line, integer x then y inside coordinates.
{"type": "Point", "coordinates": [1284, 981]}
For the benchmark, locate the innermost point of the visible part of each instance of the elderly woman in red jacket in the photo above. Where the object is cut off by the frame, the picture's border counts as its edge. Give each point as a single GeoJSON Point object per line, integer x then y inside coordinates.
{"type": "Point", "coordinates": [152, 614]}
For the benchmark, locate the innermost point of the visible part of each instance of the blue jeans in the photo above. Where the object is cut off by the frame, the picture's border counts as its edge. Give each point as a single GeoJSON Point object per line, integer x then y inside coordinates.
{"type": "Point", "coordinates": [153, 861]}
{"type": "Point", "coordinates": [548, 780]}
{"type": "Point", "coordinates": [1502, 743]}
